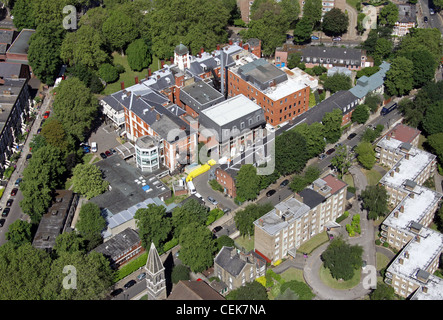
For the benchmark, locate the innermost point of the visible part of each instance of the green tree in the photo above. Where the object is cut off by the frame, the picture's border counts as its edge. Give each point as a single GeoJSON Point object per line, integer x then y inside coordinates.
{"type": "Point", "coordinates": [303, 30]}
{"type": "Point", "coordinates": [399, 78]}
{"type": "Point", "coordinates": [93, 277]}
{"type": "Point", "coordinates": [90, 224]}
{"type": "Point", "coordinates": [153, 224]}
{"type": "Point", "coordinates": [247, 183]}
{"type": "Point", "coordinates": [250, 291]}
{"type": "Point", "coordinates": [23, 271]}
{"type": "Point", "coordinates": [312, 10]}
{"type": "Point", "coordinates": [337, 82]}
{"type": "Point", "coordinates": [301, 289]}
{"type": "Point", "coordinates": [108, 73]}
{"type": "Point", "coordinates": [69, 242]}
{"type": "Point", "coordinates": [375, 200]}
{"type": "Point", "coordinates": [41, 177]}
{"type": "Point", "coordinates": [373, 101]}
{"type": "Point", "coordinates": [244, 219]}
{"type": "Point", "coordinates": [294, 60]}
{"type": "Point", "coordinates": [335, 22]}
{"type": "Point", "coordinates": [342, 259]}
{"type": "Point", "coordinates": [383, 49]}
{"type": "Point", "coordinates": [139, 55]}
{"type": "Point", "coordinates": [23, 13]}
{"type": "Point", "coordinates": [197, 247]}
{"type": "Point", "coordinates": [432, 121]}
{"type": "Point", "coordinates": [365, 155]}
{"type": "Point", "coordinates": [382, 292]}
{"type": "Point", "coordinates": [435, 143]}
{"type": "Point", "coordinates": [424, 66]}
{"type": "Point", "coordinates": [195, 23]}
{"type": "Point", "coordinates": [360, 114]}
{"type": "Point", "coordinates": [388, 14]}
{"type": "Point", "coordinates": [87, 180]}
{"type": "Point", "coordinates": [19, 232]}
{"type": "Point", "coordinates": [290, 153]}
{"type": "Point", "coordinates": [422, 39]}
{"type": "Point", "coordinates": [332, 125]}
{"type": "Point", "coordinates": [291, 9]}
{"type": "Point", "coordinates": [180, 272]}
{"type": "Point", "coordinates": [54, 134]}
{"type": "Point", "coordinates": [75, 107]}
{"type": "Point", "coordinates": [84, 46]}
{"type": "Point", "coordinates": [270, 27]}
{"type": "Point", "coordinates": [341, 161]}
{"type": "Point", "coordinates": [119, 30]}
{"type": "Point", "coordinates": [314, 135]}
{"type": "Point", "coordinates": [298, 183]}
{"type": "Point", "coordinates": [44, 55]}
{"type": "Point", "coordinates": [191, 211]}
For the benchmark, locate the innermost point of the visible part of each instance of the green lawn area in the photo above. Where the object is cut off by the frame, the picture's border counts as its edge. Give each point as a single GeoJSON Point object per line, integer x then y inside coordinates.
{"type": "Point", "coordinates": [314, 243]}
{"type": "Point", "coordinates": [293, 274]}
{"type": "Point", "coordinates": [325, 276]}
{"type": "Point", "coordinates": [353, 3]}
{"type": "Point", "coordinates": [348, 179]}
{"type": "Point", "coordinates": [128, 77]}
{"type": "Point", "coordinates": [245, 242]}
{"type": "Point", "coordinates": [373, 176]}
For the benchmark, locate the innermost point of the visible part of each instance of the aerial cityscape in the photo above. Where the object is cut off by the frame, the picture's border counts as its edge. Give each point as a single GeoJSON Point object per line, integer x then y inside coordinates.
{"type": "Point", "coordinates": [221, 150]}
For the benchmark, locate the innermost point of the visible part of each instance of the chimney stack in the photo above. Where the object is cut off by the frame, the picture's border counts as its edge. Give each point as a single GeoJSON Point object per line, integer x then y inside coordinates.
{"type": "Point", "coordinates": [136, 80]}
{"type": "Point", "coordinates": [149, 72]}
{"type": "Point", "coordinates": [122, 85]}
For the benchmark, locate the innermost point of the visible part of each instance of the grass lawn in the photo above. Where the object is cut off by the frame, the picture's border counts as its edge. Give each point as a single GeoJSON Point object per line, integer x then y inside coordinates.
{"type": "Point", "coordinates": [128, 77]}
{"type": "Point", "coordinates": [245, 242]}
{"type": "Point", "coordinates": [382, 261]}
{"type": "Point", "coordinates": [353, 3]}
{"type": "Point", "coordinates": [373, 176]}
{"type": "Point", "coordinates": [325, 276]}
{"type": "Point", "coordinates": [348, 179]}
{"type": "Point", "coordinates": [314, 243]}
{"type": "Point", "coordinates": [293, 274]}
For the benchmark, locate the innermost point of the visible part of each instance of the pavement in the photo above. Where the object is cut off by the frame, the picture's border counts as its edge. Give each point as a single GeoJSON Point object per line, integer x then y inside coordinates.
{"type": "Point", "coordinates": [16, 212]}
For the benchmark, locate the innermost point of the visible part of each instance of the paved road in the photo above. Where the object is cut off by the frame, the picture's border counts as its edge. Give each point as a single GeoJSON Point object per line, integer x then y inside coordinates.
{"type": "Point", "coordinates": [434, 21]}
{"type": "Point", "coordinates": [16, 212]}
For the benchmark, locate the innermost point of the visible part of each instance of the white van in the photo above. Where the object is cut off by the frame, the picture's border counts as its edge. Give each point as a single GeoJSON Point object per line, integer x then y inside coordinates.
{"type": "Point", "coordinates": [191, 187]}
{"type": "Point", "coordinates": [94, 147]}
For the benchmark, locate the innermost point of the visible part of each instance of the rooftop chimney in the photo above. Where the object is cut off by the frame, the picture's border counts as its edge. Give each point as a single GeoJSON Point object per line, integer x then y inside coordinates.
{"type": "Point", "coordinates": [122, 85]}
{"type": "Point", "coordinates": [149, 72]}
{"type": "Point", "coordinates": [136, 80]}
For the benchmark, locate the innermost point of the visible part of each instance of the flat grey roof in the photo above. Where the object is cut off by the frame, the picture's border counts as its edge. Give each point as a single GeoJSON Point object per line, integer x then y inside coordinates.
{"type": "Point", "coordinates": [21, 43]}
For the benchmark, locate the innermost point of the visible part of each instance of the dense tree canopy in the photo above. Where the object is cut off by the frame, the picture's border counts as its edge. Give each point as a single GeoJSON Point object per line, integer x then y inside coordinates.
{"type": "Point", "coordinates": [75, 107]}
{"type": "Point", "coordinates": [399, 78]}
{"type": "Point", "coordinates": [87, 180]}
{"type": "Point", "coordinates": [342, 259]}
{"type": "Point", "coordinates": [153, 224]}
{"type": "Point", "coordinates": [290, 152]}
{"type": "Point", "coordinates": [247, 183]}
{"type": "Point", "coordinates": [90, 224]}
{"type": "Point", "coordinates": [139, 55]}
{"type": "Point", "coordinates": [375, 200]}
{"type": "Point", "coordinates": [335, 22]}
{"type": "Point", "coordinates": [195, 23]}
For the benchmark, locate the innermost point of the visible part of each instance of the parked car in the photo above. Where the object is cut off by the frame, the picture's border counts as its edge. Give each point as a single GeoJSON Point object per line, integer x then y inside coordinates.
{"type": "Point", "coordinates": [108, 153]}
{"type": "Point", "coordinates": [217, 229]}
{"type": "Point", "coordinates": [141, 276]}
{"type": "Point", "coordinates": [103, 155]}
{"type": "Point", "coordinates": [431, 11]}
{"type": "Point", "coordinates": [212, 200]}
{"type": "Point", "coordinates": [352, 136]}
{"type": "Point", "coordinates": [113, 150]}
{"type": "Point", "coordinates": [39, 130]}
{"type": "Point", "coordinates": [284, 183]}
{"type": "Point", "coordinates": [314, 38]}
{"type": "Point", "coordinates": [28, 156]}
{"type": "Point", "coordinates": [129, 284]}
{"type": "Point", "coordinates": [270, 192]}
{"type": "Point", "coordinates": [330, 151]}
{"type": "Point", "coordinates": [116, 292]}
{"type": "Point", "coordinates": [14, 192]}
{"type": "Point", "coordinates": [9, 202]}
{"type": "Point", "coordinates": [321, 156]}
{"type": "Point", "coordinates": [46, 114]}
{"type": "Point", "coordinates": [426, 19]}
{"type": "Point", "coordinates": [336, 39]}
{"type": "Point", "coordinates": [6, 212]}
{"type": "Point", "coordinates": [2, 222]}
{"type": "Point", "coordinates": [18, 181]}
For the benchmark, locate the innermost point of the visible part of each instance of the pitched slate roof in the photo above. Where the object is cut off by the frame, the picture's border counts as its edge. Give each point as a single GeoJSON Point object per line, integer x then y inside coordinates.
{"type": "Point", "coordinates": [367, 84]}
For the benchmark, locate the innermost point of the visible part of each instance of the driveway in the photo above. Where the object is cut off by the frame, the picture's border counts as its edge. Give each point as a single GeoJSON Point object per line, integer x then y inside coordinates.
{"type": "Point", "coordinates": [365, 239]}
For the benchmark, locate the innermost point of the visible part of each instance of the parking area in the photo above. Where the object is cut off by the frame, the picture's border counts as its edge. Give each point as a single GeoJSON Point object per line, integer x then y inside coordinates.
{"type": "Point", "coordinates": [106, 138]}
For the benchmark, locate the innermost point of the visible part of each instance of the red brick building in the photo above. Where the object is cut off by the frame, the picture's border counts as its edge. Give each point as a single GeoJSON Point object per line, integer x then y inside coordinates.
{"type": "Point", "coordinates": [281, 95]}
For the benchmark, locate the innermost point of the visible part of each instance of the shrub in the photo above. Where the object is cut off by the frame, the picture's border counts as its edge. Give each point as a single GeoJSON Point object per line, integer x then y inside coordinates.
{"type": "Point", "coordinates": [108, 72]}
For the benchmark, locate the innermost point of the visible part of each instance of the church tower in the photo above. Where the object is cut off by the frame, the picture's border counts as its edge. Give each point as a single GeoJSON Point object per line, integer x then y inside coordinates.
{"type": "Point", "coordinates": [181, 57]}
{"type": "Point", "coordinates": [155, 275]}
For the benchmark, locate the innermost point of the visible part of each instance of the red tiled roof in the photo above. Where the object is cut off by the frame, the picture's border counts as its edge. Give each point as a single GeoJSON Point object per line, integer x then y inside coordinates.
{"type": "Point", "coordinates": [404, 133]}
{"type": "Point", "coordinates": [334, 183]}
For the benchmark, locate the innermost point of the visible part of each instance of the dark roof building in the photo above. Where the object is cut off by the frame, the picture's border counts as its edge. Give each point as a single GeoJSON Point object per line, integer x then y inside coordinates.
{"type": "Point", "coordinates": [121, 248]}
{"type": "Point", "coordinates": [57, 220]}
{"type": "Point", "coordinates": [194, 290]}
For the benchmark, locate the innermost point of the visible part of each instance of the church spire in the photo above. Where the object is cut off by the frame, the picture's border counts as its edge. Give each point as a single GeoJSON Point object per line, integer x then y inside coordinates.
{"type": "Point", "coordinates": [155, 275]}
